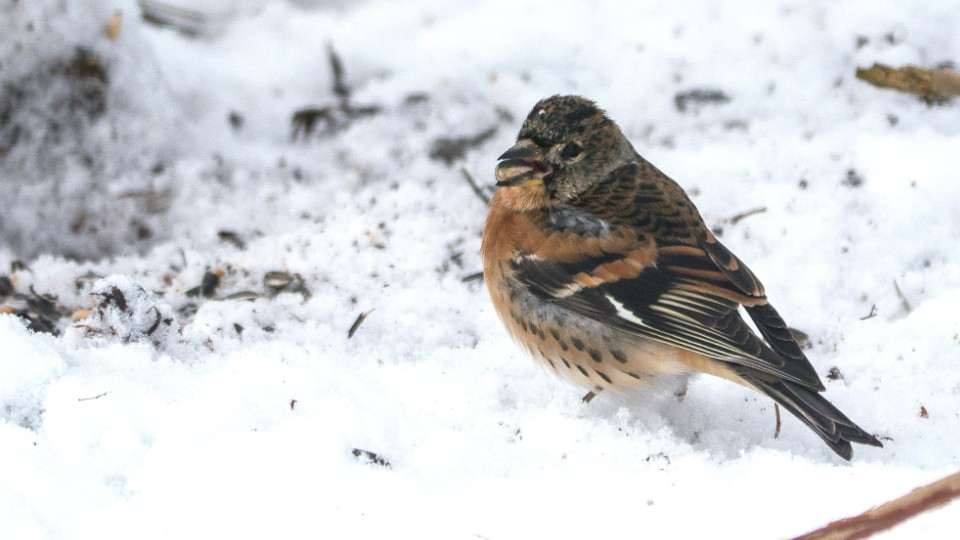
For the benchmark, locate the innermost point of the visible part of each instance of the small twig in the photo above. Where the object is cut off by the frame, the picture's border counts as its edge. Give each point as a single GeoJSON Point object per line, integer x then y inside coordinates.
{"type": "Point", "coordinates": [356, 324]}
{"type": "Point", "coordinates": [903, 297]}
{"type": "Point", "coordinates": [472, 277]}
{"type": "Point", "coordinates": [752, 212]}
{"type": "Point", "coordinates": [892, 513]}
{"type": "Point", "coordinates": [452, 149]}
{"type": "Point", "coordinates": [242, 295]}
{"type": "Point", "coordinates": [872, 314]}
{"type": "Point", "coordinates": [699, 96]}
{"type": "Point", "coordinates": [156, 323]}
{"type": "Point", "coordinates": [188, 22]}
{"type": "Point", "coordinates": [50, 298]}
{"type": "Point", "coordinates": [340, 88]}
{"type": "Point", "coordinates": [473, 184]}
{"type": "Point", "coordinates": [776, 410]}
{"type": "Point", "coordinates": [98, 396]}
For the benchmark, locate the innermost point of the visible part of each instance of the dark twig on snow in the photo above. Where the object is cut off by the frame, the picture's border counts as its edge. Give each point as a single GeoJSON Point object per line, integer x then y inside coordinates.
{"type": "Point", "coordinates": [903, 297]}
{"type": "Point", "coordinates": [742, 215]}
{"type": "Point", "coordinates": [473, 184]}
{"type": "Point", "coordinates": [451, 149]}
{"type": "Point", "coordinates": [356, 324]}
{"type": "Point", "coordinates": [699, 96]}
{"type": "Point", "coordinates": [335, 117]}
{"type": "Point", "coordinates": [472, 277]}
{"type": "Point", "coordinates": [340, 87]}
{"type": "Point", "coordinates": [98, 396]}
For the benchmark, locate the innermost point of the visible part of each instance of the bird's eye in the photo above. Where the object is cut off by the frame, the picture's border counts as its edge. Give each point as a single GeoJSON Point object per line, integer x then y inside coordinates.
{"type": "Point", "coordinates": [571, 150]}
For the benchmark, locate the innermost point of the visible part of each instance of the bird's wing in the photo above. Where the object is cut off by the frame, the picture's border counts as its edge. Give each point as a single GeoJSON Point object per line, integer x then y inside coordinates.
{"type": "Point", "coordinates": [688, 297]}
{"type": "Point", "coordinates": [665, 303]}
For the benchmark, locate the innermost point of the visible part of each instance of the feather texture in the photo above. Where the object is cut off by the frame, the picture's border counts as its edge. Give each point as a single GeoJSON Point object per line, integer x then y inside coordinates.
{"type": "Point", "coordinates": [602, 267]}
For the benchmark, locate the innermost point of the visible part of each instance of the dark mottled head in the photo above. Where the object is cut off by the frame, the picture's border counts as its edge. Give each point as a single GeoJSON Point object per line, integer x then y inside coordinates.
{"type": "Point", "coordinates": [565, 145]}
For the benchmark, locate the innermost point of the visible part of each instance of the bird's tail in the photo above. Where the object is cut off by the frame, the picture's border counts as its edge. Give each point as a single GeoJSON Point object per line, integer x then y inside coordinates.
{"type": "Point", "coordinates": [815, 411]}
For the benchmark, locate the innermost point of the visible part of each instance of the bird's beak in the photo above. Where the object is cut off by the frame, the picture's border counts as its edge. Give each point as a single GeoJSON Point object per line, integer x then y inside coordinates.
{"type": "Point", "coordinates": [522, 165]}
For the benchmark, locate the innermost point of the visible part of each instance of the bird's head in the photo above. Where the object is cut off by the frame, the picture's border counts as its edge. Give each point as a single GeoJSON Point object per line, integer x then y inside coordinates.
{"type": "Point", "coordinates": [566, 144]}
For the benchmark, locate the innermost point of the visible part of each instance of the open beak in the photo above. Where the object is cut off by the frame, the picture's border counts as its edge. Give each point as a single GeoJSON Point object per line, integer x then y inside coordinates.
{"type": "Point", "coordinates": [522, 165]}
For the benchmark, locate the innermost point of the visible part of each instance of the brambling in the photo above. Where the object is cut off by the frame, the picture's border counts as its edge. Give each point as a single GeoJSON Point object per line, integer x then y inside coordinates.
{"type": "Point", "coordinates": [601, 266]}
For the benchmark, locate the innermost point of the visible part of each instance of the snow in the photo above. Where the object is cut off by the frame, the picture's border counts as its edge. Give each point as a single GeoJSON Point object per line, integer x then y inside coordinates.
{"type": "Point", "coordinates": [163, 414]}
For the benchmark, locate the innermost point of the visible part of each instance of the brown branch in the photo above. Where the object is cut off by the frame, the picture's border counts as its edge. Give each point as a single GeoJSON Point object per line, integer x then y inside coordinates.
{"type": "Point", "coordinates": [776, 409]}
{"type": "Point", "coordinates": [752, 212]}
{"type": "Point", "coordinates": [889, 514]}
{"type": "Point", "coordinates": [903, 297]}
{"type": "Point", "coordinates": [928, 83]}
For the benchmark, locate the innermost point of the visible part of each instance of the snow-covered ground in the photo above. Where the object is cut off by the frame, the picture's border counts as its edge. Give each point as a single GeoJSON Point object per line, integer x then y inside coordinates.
{"type": "Point", "coordinates": [159, 156]}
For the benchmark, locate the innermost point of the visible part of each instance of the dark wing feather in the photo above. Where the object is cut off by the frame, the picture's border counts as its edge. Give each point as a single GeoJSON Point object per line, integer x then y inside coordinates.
{"type": "Point", "coordinates": [688, 314]}
{"type": "Point", "coordinates": [768, 321]}
{"type": "Point", "coordinates": [731, 266]}
{"type": "Point", "coordinates": [689, 298]}
{"type": "Point", "coordinates": [667, 305]}
{"type": "Point", "coordinates": [554, 282]}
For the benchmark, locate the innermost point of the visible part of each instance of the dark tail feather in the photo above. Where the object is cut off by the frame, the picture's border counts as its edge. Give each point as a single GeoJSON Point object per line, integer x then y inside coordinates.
{"type": "Point", "coordinates": [781, 339]}
{"type": "Point", "coordinates": [815, 411]}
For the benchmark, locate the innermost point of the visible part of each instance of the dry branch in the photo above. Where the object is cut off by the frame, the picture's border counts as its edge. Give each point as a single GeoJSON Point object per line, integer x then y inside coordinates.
{"type": "Point", "coordinates": [735, 219]}
{"type": "Point", "coordinates": [473, 184]}
{"type": "Point", "coordinates": [889, 514]}
{"type": "Point", "coordinates": [928, 83]}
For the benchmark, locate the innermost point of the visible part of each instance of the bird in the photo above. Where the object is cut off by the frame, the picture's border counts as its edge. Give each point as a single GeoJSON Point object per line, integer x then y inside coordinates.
{"type": "Point", "coordinates": [603, 269]}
